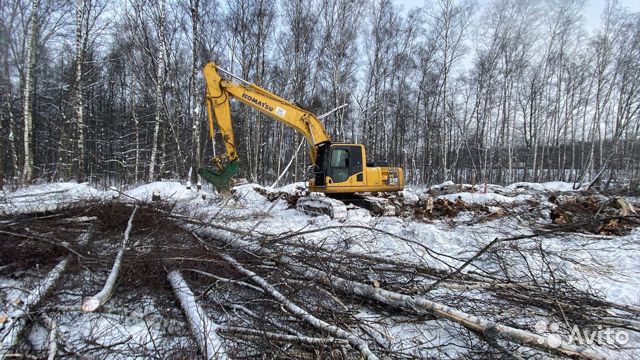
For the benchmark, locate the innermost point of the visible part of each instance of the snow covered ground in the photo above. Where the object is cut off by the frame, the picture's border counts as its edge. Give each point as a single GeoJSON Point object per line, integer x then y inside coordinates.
{"type": "Point", "coordinates": [608, 265]}
{"type": "Point", "coordinates": [49, 197]}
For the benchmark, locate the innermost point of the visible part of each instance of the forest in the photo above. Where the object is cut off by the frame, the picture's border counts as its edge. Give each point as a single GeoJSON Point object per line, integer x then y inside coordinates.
{"type": "Point", "coordinates": [516, 234]}
{"type": "Point", "coordinates": [491, 92]}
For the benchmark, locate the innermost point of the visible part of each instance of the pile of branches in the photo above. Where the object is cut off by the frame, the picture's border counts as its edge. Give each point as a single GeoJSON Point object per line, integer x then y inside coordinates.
{"type": "Point", "coordinates": [202, 286]}
{"type": "Point", "coordinates": [595, 214]}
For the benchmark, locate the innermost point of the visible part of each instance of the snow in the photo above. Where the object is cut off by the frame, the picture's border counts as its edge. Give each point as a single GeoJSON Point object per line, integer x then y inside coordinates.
{"type": "Point", "coordinates": [485, 198]}
{"type": "Point", "coordinates": [552, 186]}
{"type": "Point", "coordinates": [248, 195]}
{"type": "Point", "coordinates": [409, 197]}
{"type": "Point", "coordinates": [168, 191]}
{"type": "Point", "coordinates": [609, 265]}
{"type": "Point", "coordinates": [292, 188]}
{"type": "Point", "coordinates": [512, 189]}
{"type": "Point", "coordinates": [49, 197]}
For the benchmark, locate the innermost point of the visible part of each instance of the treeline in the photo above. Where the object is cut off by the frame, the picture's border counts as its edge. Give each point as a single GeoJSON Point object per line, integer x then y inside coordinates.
{"type": "Point", "coordinates": [508, 91]}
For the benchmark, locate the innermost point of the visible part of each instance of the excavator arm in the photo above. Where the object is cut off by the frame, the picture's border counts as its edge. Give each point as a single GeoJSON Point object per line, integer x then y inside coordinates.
{"type": "Point", "coordinates": [219, 92]}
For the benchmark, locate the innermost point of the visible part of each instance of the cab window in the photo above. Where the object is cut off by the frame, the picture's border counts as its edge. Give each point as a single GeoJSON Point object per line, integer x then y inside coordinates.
{"type": "Point", "coordinates": [339, 158]}
{"type": "Point", "coordinates": [340, 165]}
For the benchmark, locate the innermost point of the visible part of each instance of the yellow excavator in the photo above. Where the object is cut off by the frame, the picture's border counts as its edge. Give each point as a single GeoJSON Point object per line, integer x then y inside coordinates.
{"type": "Point", "coordinates": [337, 168]}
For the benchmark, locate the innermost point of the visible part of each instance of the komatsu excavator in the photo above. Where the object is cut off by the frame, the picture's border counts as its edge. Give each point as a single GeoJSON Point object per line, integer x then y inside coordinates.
{"type": "Point", "coordinates": [338, 169]}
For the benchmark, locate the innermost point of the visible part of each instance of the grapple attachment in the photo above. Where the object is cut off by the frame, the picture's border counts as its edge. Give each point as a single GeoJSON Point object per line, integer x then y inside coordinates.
{"type": "Point", "coordinates": [220, 179]}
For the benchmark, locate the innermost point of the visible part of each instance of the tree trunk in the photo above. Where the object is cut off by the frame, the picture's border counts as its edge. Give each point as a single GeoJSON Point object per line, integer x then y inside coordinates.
{"type": "Point", "coordinates": [92, 303]}
{"type": "Point", "coordinates": [158, 92]}
{"type": "Point", "coordinates": [17, 321]}
{"type": "Point", "coordinates": [203, 329]}
{"type": "Point", "coordinates": [27, 90]}
{"type": "Point", "coordinates": [78, 101]}
{"type": "Point", "coordinates": [195, 98]}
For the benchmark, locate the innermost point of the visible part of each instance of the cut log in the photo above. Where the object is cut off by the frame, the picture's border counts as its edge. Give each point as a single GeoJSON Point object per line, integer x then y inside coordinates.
{"type": "Point", "coordinates": [204, 330]}
{"type": "Point", "coordinates": [53, 340]}
{"type": "Point", "coordinates": [626, 208]}
{"type": "Point", "coordinates": [319, 324]}
{"type": "Point", "coordinates": [415, 304]}
{"type": "Point", "coordinates": [92, 303]}
{"type": "Point", "coordinates": [281, 337]}
{"type": "Point", "coordinates": [17, 321]}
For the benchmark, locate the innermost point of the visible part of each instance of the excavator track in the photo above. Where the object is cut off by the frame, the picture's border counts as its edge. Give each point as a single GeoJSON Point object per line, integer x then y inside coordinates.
{"type": "Point", "coordinates": [336, 206]}
{"type": "Point", "coordinates": [318, 204]}
{"type": "Point", "coordinates": [379, 206]}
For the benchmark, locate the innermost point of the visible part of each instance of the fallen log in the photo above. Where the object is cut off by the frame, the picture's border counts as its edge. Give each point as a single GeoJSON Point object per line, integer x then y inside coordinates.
{"type": "Point", "coordinates": [53, 340]}
{"type": "Point", "coordinates": [92, 303]}
{"type": "Point", "coordinates": [17, 319]}
{"type": "Point", "coordinates": [232, 330]}
{"type": "Point", "coordinates": [416, 304]}
{"type": "Point", "coordinates": [319, 324]}
{"type": "Point", "coordinates": [204, 330]}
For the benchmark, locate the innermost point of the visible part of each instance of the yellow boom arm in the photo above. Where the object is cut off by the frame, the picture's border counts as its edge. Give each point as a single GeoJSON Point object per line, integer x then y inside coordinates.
{"type": "Point", "coordinates": [218, 93]}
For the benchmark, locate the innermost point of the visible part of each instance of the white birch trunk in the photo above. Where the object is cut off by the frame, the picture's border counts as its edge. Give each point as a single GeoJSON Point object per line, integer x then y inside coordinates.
{"type": "Point", "coordinates": [475, 323]}
{"type": "Point", "coordinates": [27, 90]}
{"type": "Point", "coordinates": [12, 141]}
{"type": "Point", "coordinates": [319, 324]}
{"type": "Point", "coordinates": [281, 337]}
{"type": "Point", "coordinates": [136, 124]}
{"type": "Point", "coordinates": [78, 103]}
{"type": "Point", "coordinates": [195, 96]}
{"type": "Point", "coordinates": [53, 340]}
{"type": "Point", "coordinates": [17, 321]}
{"type": "Point", "coordinates": [295, 155]}
{"type": "Point", "coordinates": [92, 303]}
{"type": "Point", "coordinates": [159, 86]}
{"type": "Point", "coordinates": [203, 329]}
{"type": "Point", "coordinates": [411, 303]}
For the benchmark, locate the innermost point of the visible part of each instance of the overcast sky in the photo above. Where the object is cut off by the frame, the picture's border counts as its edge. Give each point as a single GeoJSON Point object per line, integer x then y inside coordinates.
{"type": "Point", "coordinates": [593, 8]}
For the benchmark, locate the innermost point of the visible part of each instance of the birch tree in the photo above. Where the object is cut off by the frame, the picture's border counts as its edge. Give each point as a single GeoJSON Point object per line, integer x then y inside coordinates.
{"type": "Point", "coordinates": [450, 22]}
{"type": "Point", "coordinates": [159, 88]}
{"type": "Point", "coordinates": [381, 48]}
{"type": "Point", "coordinates": [539, 98]}
{"type": "Point", "coordinates": [27, 92]}
{"type": "Point", "coordinates": [250, 27]}
{"type": "Point", "coordinates": [78, 106]}
{"type": "Point", "coordinates": [10, 164]}
{"type": "Point", "coordinates": [194, 7]}
{"type": "Point", "coordinates": [341, 22]}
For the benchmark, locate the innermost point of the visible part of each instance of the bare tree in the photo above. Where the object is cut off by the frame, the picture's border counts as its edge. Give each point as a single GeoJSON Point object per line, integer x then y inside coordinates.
{"type": "Point", "coordinates": [194, 7]}
{"type": "Point", "coordinates": [27, 92]}
{"type": "Point", "coordinates": [450, 22]}
{"type": "Point", "coordinates": [159, 88]}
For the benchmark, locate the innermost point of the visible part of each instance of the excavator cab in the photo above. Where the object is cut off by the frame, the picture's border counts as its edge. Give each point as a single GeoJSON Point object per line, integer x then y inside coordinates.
{"type": "Point", "coordinates": [344, 169]}
{"type": "Point", "coordinates": [345, 162]}
{"type": "Point", "coordinates": [337, 163]}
